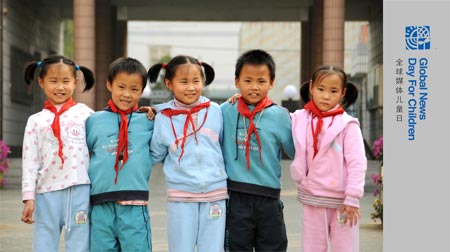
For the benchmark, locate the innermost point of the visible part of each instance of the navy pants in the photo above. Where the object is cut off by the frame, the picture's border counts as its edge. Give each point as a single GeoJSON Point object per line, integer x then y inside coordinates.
{"type": "Point", "coordinates": [254, 223]}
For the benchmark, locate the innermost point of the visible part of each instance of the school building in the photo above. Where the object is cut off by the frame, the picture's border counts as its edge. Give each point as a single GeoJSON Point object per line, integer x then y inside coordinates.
{"type": "Point", "coordinates": [34, 29]}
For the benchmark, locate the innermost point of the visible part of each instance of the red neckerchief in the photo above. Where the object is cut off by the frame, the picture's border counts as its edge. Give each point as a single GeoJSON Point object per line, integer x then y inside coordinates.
{"type": "Point", "coordinates": [245, 112]}
{"type": "Point", "coordinates": [173, 112]}
{"type": "Point", "coordinates": [56, 127]}
{"type": "Point", "coordinates": [319, 114]}
{"type": "Point", "coordinates": [122, 146]}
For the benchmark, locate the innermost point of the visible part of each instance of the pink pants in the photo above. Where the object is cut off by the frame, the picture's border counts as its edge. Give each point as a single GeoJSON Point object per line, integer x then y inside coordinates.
{"type": "Point", "coordinates": [321, 230]}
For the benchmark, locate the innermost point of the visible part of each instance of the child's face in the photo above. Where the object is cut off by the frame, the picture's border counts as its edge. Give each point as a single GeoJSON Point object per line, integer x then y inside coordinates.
{"type": "Point", "coordinates": [254, 83]}
{"type": "Point", "coordinates": [58, 83]}
{"type": "Point", "coordinates": [187, 84]}
{"type": "Point", "coordinates": [327, 92]}
{"type": "Point", "coordinates": [126, 89]}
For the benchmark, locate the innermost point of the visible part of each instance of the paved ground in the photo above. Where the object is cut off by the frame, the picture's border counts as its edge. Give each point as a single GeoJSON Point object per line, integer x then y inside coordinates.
{"type": "Point", "coordinates": [17, 236]}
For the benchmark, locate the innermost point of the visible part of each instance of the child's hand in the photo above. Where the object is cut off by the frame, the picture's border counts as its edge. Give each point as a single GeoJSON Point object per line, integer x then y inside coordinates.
{"type": "Point", "coordinates": [352, 214]}
{"type": "Point", "coordinates": [151, 112]}
{"type": "Point", "coordinates": [27, 214]}
{"type": "Point", "coordinates": [234, 98]}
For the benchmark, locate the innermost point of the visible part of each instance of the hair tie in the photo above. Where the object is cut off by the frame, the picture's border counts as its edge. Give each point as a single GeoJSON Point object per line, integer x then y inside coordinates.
{"type": "Point", "coordinates": [77, 67]}
{"type": "Point", "coordinates": [200, 63]}
{"type": "Point", "coordinates": [164, 65]}
{"type": "Point", "coordinates": [39, 63]}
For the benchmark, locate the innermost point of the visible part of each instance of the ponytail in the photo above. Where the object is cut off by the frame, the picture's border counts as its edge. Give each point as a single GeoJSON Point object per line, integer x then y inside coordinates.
{"type": "Point", "coordinates": [153, 72]}
{"type": "Point", "coordinates": [89, 79]}
{"type": "Point", "coordinates": [304, 92]}
{"type": "Point", "coordinates": [29, 72]}
{"type": "Point", "coordinates": [209, 73]}
{"type": "Point", "coordinates": [170, 68]}
{"type": "Point", "coordinates": [351, 94]}
{"type": "Point", "coordinates": [40, 69]}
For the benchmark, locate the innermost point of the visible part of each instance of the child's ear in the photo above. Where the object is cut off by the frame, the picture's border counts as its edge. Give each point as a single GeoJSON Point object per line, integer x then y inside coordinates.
{"type": "Point", "coordinates": [168, 84]}
{"type": "Point", "coordinates": [109, 86]}
{"type": "Point", "coordinates": [271, 84]}
{"type": "Point", "coordinates": [41, 82]}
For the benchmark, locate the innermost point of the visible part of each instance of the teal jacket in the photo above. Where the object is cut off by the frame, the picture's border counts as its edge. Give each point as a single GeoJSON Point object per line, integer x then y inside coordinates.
{"type": "Point", "coordinates": [102, 130]}
{"type": "Point", "coordinates": [274, 130]}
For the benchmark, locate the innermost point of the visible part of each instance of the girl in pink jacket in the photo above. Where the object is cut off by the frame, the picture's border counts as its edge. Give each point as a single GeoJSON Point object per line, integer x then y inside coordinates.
{"type": "Point", "coordinates": [330, 163]}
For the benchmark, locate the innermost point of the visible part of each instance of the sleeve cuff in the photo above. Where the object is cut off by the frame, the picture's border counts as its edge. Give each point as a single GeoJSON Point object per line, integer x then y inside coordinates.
{"type": "Point", "coordinates": [27, 196]}
{"type": "Point", "coordinates": [350, 201]}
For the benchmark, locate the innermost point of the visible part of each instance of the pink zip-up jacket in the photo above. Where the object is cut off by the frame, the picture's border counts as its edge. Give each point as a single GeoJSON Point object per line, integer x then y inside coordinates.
{"type": "Point", "coordinates": [339, 167]}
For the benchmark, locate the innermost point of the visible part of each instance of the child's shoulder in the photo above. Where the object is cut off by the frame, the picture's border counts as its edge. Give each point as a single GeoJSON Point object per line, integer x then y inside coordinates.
{"type": "Point", "coordinates": [228, 106]}
{"type": "Point", "coordinates": [99, 115]}
{"type": "Point", "coordinates": [276, 110]}
{"type": "Point", "coordinates": [83, 107]}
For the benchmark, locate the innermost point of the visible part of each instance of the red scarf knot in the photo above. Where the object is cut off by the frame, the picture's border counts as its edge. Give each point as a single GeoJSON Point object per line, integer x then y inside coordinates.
{"type": "Point", "coordinates": [56, 126]}
{"type": "Point", "coordinates": [122, 146]}
{"type": "Point", "coordinates": [174, 112]}
{"type": "Point", "coordinates": [311, 106]}
{"type": "Point", "coordinates": [245, 112]}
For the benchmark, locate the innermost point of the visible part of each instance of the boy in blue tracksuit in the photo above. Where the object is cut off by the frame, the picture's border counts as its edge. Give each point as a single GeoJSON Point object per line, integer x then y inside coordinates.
{"type": "Point", "coordinates": [256, 131]}
{"type": "Point", "coordinates": [118, 139]}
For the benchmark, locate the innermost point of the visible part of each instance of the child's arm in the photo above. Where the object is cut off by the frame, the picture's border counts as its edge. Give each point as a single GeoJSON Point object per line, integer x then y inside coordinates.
{"type": "Point", "coordinates": [151, 111]}
{"type": "Point", "coordinates": [287, 140]}
{"type": "Point", "coordinates": [30, 167]}
{"type": "Point", "coordinates": [30, 161]}
{"type": "Point", "coordinates": [356, 163]}
{"type": "Point", "coordinates": [234, 98]}
{"type": "Point", "coordinates": [158, 149]}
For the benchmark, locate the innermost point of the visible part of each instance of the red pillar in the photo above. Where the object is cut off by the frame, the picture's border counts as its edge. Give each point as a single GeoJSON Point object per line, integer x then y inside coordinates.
{"type": "Point", "coordinates": [84, 45]}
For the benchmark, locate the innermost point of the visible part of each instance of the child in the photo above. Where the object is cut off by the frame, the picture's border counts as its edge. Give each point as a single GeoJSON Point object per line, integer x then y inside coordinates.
{"type": "Point", "coordinates": [330, 163]}
{"type": "Point", "coordinates": [118, 139]}
{"type": "Point", "coordinates": [255, 133]}
{"type": "Point", "coordinates": [55, 182]}
{"type": "Point", "coordinates": [187, 139]}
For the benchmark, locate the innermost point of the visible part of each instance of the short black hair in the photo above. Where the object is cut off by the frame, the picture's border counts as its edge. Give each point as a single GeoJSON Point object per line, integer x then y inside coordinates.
{"type": "Point", "coordinates": [255, 57]}
{"type": "Point", "coordinates": [127, 65]}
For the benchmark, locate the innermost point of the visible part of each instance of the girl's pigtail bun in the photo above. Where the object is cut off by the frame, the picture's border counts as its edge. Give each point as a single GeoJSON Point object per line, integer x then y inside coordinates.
{"type": "Point", "coordinates": [89, 78]}
{"type": "Point", "coordinates": [153, 72]}
{"type": "Point", "coordinates": [209, 73]}
{"type": "Point", "coordinates": [351, 94]}
{"type": "Point", "coordinates": [304, 91]}
{"type": "Point", "coordinates": [29, 72]}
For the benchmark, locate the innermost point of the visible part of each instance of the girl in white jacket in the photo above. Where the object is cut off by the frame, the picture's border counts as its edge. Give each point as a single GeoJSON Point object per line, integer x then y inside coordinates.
{"type": "Point", "coordinates": [330, 163]}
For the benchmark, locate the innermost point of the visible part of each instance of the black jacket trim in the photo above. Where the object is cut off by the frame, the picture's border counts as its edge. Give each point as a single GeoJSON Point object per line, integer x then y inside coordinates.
{"type": "Point", "coordinates": [254, 189]}
{"type": "Point", "coordinates": [118, 195]}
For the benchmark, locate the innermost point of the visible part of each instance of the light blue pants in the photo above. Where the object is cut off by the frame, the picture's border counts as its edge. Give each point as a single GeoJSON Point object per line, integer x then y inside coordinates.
{"type": "Point", "coordinates": [191, 225]}
{"type": "Point", "coordinates": [66, 208]}
{"type": "Point", "coordinates": [116, 227]}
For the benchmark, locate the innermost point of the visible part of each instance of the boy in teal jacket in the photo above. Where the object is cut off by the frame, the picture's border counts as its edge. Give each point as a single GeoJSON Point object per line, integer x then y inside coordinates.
{"type": "Point", "coordinates": [255, 133]}
{"type": "Point", "coordinates": [118, 139]}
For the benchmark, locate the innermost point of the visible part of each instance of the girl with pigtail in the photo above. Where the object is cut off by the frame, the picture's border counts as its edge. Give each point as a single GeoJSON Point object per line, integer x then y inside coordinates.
{"type": "Point", "coordinates": [330, 163]}
{"type": "Point", "coordinates": [55, 158]}
{"type": "Point", "coordinates": [187, 139]}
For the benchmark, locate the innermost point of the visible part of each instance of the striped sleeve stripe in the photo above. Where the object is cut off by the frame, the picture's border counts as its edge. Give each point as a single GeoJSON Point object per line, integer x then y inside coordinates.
{"type": "Point", "coordinates": [319, 201]}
